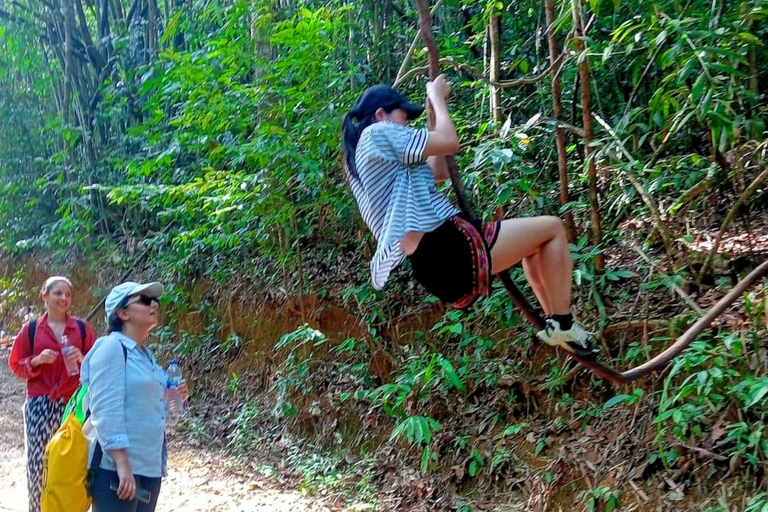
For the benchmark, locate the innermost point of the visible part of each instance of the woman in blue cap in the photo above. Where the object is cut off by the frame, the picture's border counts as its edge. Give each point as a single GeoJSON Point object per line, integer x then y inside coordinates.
{"type": "Point", "coordinates": [392, 170]}
{"type": "Point", "coordinates": [126, 397]}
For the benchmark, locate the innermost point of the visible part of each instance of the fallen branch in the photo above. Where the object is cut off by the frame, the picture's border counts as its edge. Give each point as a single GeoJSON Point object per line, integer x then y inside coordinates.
{"type": "Point", "coordinates": [658, 222]}
{"type": "Point", "coordinates": [692, 193]}
{"type": "Point", "coordinates": [729, 218]}
{"type": "Point", "coordinates": [686, 298]}
{"type": "Point", "coordinates": [651, 325]}
{"type": "Point", "coordinates": [703, 453]}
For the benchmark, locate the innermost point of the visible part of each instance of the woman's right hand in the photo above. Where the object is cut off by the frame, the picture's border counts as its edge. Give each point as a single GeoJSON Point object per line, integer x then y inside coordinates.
{"type": "Point", "coordinates": [439, 88]}
{"type": "Point", "coordinates": [126, 490]}
{"type": "Point", "coordinates": [47, 356]}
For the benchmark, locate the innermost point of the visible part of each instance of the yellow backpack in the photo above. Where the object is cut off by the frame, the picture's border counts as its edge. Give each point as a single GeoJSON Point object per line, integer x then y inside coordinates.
{"type": "Point", "coordinates": [65, 469]}
{"type": "Point", "coordinates": [65, 462]}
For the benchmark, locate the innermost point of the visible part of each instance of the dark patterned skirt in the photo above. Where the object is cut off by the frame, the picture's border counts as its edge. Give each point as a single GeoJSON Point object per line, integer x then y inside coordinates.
{"type": "Point", "coordinates": [42, 418]}
{"type": "Point", "coordinates": [453, 262]}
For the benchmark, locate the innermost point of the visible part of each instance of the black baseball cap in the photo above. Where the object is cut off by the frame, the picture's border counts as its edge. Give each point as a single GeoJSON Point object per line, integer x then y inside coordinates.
{"type": "Point", "coordinates": [383, 96]}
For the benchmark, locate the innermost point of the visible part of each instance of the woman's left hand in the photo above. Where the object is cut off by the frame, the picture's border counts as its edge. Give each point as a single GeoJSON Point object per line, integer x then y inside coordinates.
{"type": "Point", "coordinates": [183, 391]}
{"type": "Point", "coordinates": [74, 355]}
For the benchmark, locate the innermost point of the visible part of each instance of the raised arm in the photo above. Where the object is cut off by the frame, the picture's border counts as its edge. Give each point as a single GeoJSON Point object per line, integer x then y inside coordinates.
{"type": "Point", "coordinates": [443, 139]}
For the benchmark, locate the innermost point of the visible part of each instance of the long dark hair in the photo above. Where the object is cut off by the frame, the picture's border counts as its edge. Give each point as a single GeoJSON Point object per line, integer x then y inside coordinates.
{"type": "Point", "coordinates": [350, 134]}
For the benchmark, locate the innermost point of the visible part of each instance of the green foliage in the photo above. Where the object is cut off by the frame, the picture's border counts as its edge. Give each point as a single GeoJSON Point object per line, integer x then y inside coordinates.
{"type": "Point", "coordinates": [416, 430]}
{"type": "Point", "coordinates": [637, 393]}
{"type": "Point", "coordinates": [292, 375]}
{"type": "Point", "coordinates": [323, 475]}
{"type": "Point", "coordinates": [712, 384]}
{"type": "Point", "coordinates": [244, 437]}
{"type": "Point", "coordinates": [601, 498]}
{"type": "Point", "coordinates": [758, 503]}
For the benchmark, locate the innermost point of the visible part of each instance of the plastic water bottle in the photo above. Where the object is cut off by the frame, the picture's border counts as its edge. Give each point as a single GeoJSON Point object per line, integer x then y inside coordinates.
{"type": "Point", "coordinates": [174, 404]}
{"type": "Point", "coordinates": [72, 368]}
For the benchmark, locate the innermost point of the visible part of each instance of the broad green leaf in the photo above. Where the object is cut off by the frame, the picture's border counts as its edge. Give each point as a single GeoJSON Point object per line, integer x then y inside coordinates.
{"type": "Point", "coordinates": [452, 376]}
{"type": "Point", "coordinates": [615, 401]}
{"type": "Point", "coordinates": [698, 88]}
{"type": "Point", "coordinates": [171, 28]}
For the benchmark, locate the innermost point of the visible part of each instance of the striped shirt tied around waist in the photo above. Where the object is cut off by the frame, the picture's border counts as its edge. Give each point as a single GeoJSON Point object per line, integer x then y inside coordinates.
{"type": "Point", "coordinates": [396, 191]}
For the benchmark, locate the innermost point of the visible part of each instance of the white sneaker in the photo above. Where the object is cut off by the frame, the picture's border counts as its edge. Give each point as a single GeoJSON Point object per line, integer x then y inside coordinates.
{"type": "Point", "coordinates": [575, 339]}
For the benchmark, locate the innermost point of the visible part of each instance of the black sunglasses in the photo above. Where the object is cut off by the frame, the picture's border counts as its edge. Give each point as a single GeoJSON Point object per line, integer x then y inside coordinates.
{"type": "Point", "coordinates": [144, 299]}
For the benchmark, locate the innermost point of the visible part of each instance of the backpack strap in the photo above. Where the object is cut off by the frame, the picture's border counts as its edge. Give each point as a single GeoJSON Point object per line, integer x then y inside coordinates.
{"type": "Point", "coordinates": [32, 329]}
{"type": "Point", "coordinates": [97, 451]}
{"type": "Point", "coordinates": [81, 326]}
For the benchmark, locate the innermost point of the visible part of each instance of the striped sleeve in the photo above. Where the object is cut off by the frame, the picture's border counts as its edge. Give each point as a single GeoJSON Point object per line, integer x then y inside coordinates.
{"type": "Point", "coordinates": [402, 143]}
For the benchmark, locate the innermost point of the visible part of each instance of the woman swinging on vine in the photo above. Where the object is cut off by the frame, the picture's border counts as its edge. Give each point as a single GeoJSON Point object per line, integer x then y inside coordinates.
{"type": "Point", "coordinates": [392, 169]}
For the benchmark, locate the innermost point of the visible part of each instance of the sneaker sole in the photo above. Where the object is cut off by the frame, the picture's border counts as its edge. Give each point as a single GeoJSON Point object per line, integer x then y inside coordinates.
{"type": "Point", "coordinates": [572, 350]}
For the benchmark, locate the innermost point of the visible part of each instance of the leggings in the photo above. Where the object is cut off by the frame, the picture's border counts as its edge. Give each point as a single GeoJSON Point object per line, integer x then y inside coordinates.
{"type": "Point", "coordinates": [106, 500]}
{"type": "Point", "coordinates": [42, 418]}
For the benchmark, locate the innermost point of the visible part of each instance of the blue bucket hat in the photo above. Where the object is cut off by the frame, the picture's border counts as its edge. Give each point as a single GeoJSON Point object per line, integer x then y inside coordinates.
{"type": "Point", "coordinates": [117, 295]}
{"type": "Point", "coordinates": [383, 96]}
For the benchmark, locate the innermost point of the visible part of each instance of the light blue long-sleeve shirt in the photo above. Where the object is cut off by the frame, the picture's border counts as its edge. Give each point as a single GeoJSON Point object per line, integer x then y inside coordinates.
{"type": "Point", "coordinates": [126, 396]}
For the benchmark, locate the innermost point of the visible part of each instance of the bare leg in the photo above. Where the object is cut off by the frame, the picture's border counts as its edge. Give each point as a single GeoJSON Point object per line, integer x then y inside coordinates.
{"type": "Point", "coordinates": [533, 272]}
{"type": "Point", "coordinates": [542, 244]}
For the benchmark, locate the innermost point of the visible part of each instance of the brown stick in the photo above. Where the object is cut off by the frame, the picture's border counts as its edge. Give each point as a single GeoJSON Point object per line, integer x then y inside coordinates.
{"type": "Point", "coordinates": [93, 52]}
{"type": "Point", "coordinates": [729, 218]}
{"type": "Point", "coordinates": [434, 71]}
{"type": "Point", "coordinates": [658, 222]}
{"type": "Point", "coordinates": [586, 116]}
{"type": "Point", "coordinates": [557, 106]}
{"type": "Point", "coordinates": [131, 12]}
{"type": "Point", "coordinates": [105, 71]}
{"type": "Point", "coordinates": [460, 66]}
{"type": "Point", "coordinates": [412, 48]}
{"type": "Point", "coordinates": [494, 36]}
{"type": "Point", "coordinates": [661, 360]}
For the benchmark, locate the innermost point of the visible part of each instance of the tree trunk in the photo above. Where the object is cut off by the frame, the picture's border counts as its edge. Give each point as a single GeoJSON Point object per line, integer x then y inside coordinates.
{"type": "Point", "coordinates": [178, 40]}
{"type": "Point", "coordinates": [557, 105]}
{"type": "Point", "coordinates": [377, 25]}
{"type": "Point", "coordinates": [586, 116]}
{"type": "Point", "coordinates": [68, 54]}
{"type": "Point", "coordinates": [351, 45]}
{"type": "Point", "coordinates": [93, 54]}
{"type": "Point", "coordinates": [387, 21]}
{"type": "Point", "coordinates": [151, 29]}
{"type": "Point", "coordinates": [495, 64]}
{"type": "Point", "coordinates": [69, 22]}
{"type": "Point", "coordinates": [105, 39]}
{"type": "Point", "coordinates": [754, 86]}
{"type": "Point", "coordinates": [117, 6]}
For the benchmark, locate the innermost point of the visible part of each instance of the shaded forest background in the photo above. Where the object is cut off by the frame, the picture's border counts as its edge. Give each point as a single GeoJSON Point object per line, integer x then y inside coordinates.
{"type": "Point", "coordinates": [203, 135]}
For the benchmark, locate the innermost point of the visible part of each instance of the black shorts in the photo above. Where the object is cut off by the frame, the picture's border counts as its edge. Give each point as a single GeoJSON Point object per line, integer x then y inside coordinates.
{"type": "Point", "coordinates": [453, 262]}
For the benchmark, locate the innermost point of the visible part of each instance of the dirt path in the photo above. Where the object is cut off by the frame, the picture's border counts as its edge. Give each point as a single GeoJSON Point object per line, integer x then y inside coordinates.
{"type": "Point", "coordinates": [198, 480]}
